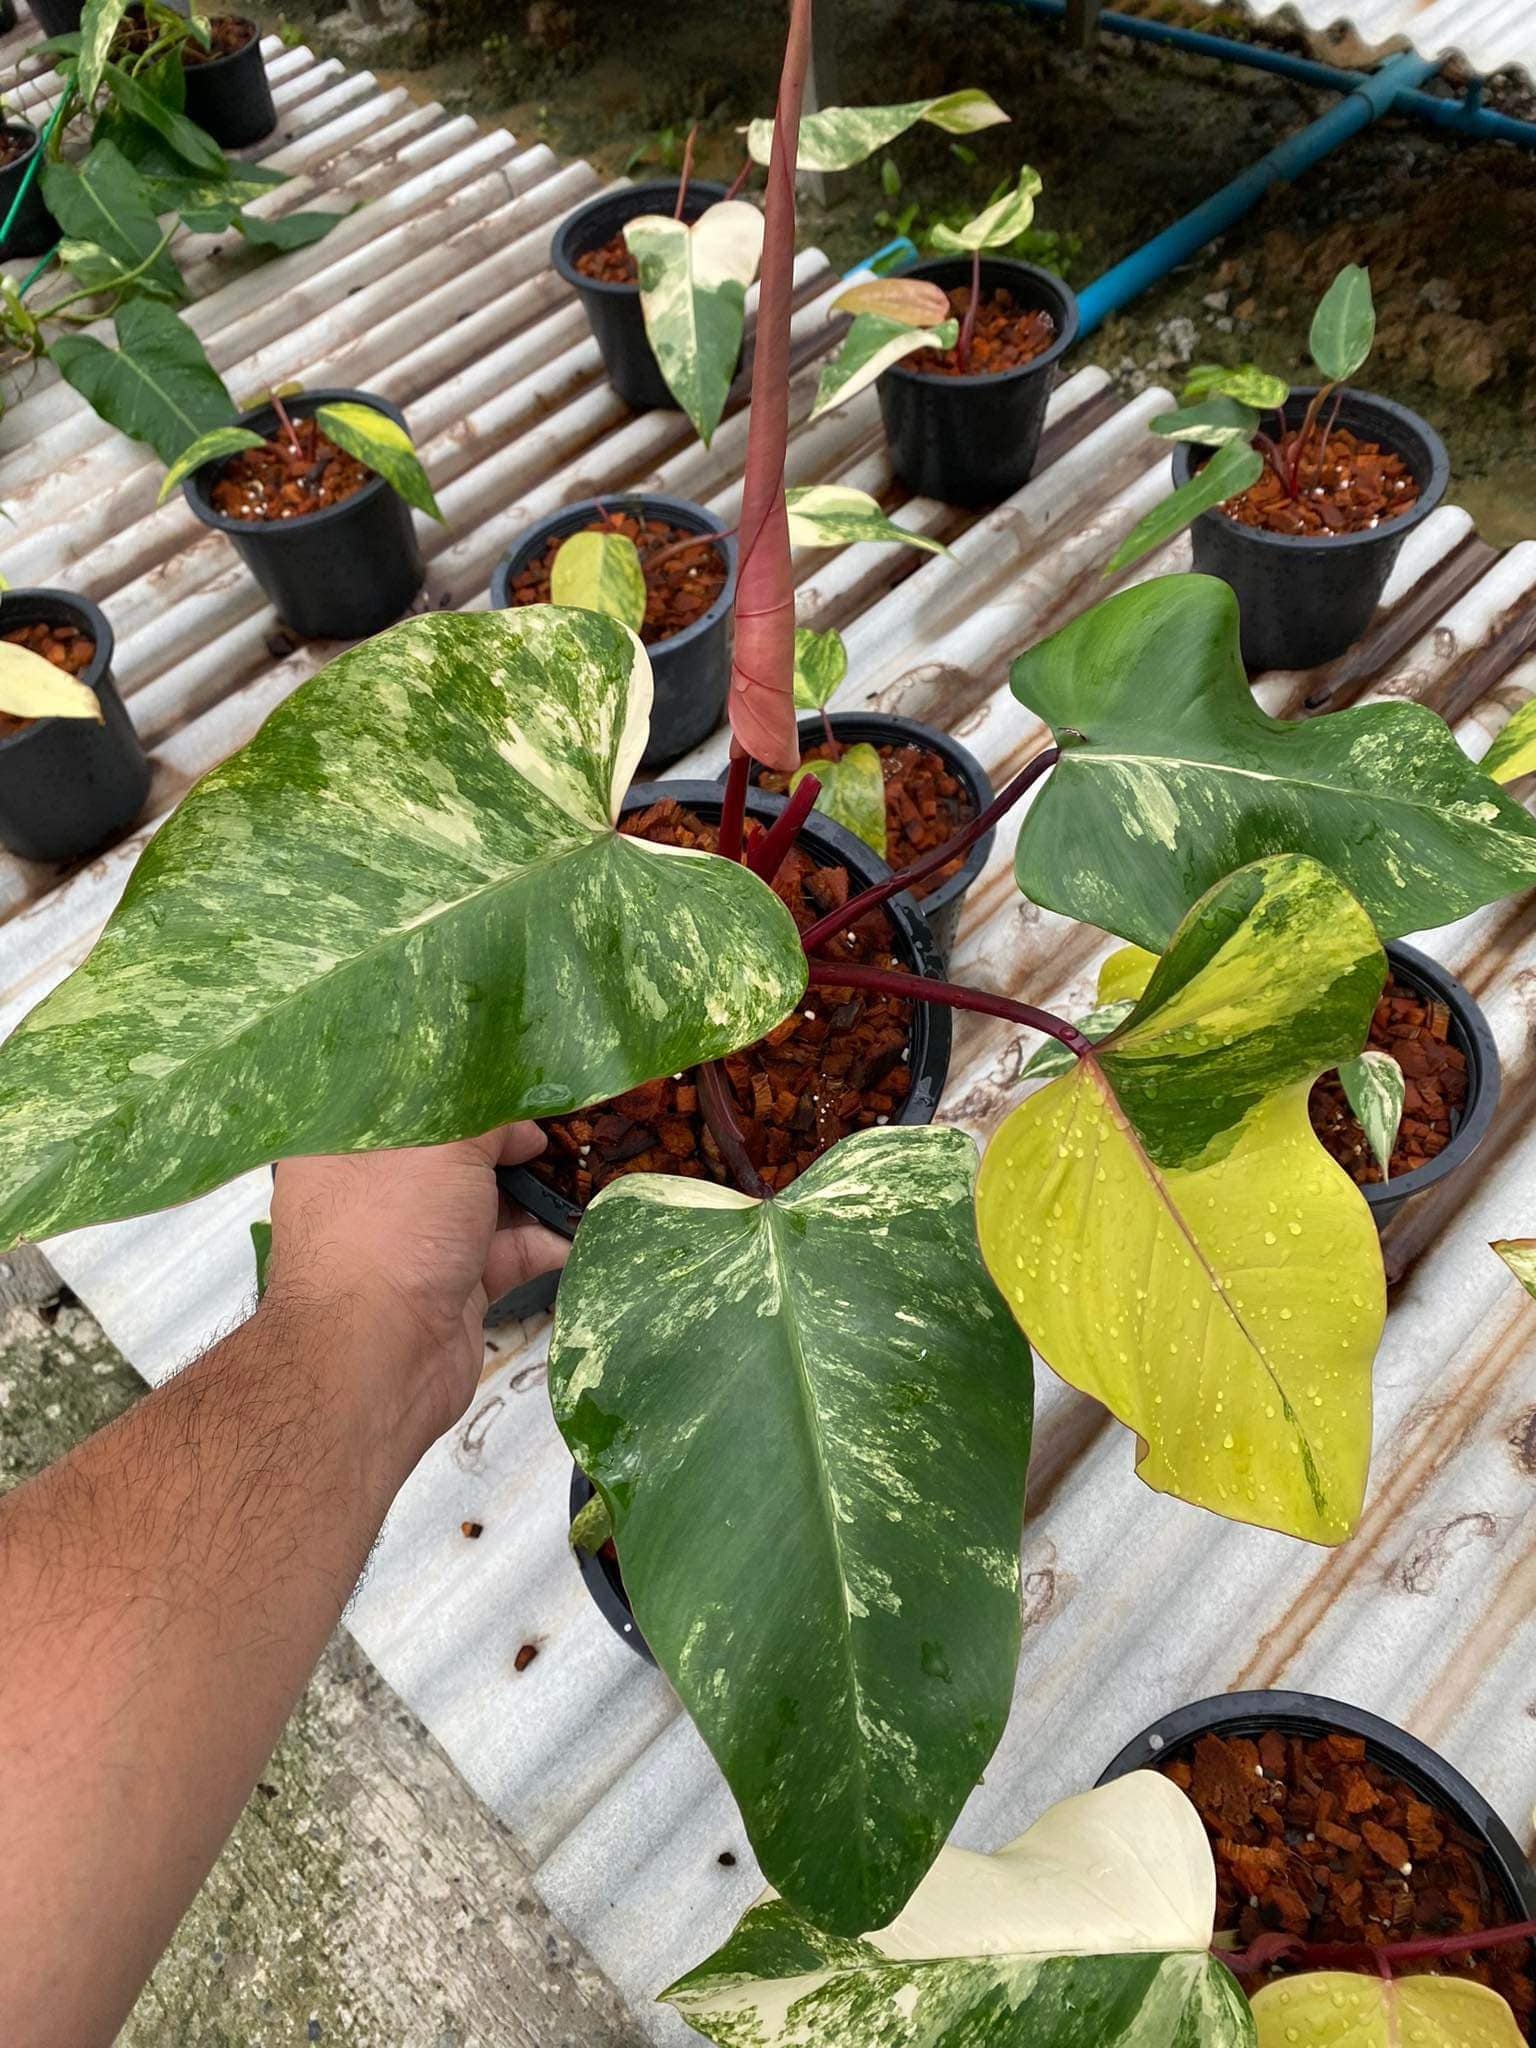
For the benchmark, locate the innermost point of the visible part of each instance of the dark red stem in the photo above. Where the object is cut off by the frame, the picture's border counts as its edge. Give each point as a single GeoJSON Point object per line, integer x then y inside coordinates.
{"type": "Point", "coordinates": [766, 856]}
{"type": "Point", "coordinates": [678, 547]}
{"type": "Point", "coordinates": [686, 173]}
{"type": "Point", "coordinates": [968, 324]}
{"type": "Point", "coordinates": [836, 921]}
{"type": "Point", "coordinates": [733, 808]}
{"type": "Point", "coordinates": [720, 1115]}
{"type": "Point", "coordinates": [915, 988]}
{"type": "Point", "coordinates": [834, 744]}
{"type": "Point", "coordinates": [733, 190]}
{"type": "Point", "coordinates": [1323, 1955]}
{"type": "Point", "coordinates": [288, 427]}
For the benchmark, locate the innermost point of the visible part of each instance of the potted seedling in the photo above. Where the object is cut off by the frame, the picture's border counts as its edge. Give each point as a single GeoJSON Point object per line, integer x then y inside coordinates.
{"type": "Point", "coordinates": [72, 772]}
{"type": "Point", "coordinates": [315, 490]}
{"type": "Point", "coordinates": [225, 85]}
{"type": "Point", "coordinates": [443, 928]}
{"type": "Point", "coordinates": [1305, 503]}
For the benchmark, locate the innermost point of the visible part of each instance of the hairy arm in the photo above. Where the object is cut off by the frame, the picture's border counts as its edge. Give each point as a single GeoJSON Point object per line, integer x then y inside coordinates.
{"type": "Point", "coordinates": [166, 1589]}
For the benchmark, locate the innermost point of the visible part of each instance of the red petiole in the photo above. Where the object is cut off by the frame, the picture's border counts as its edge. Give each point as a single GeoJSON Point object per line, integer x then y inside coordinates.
{"type": "Point", "coordinates": [1323, 1955]}
{"type": "Point", "coordinates": [733, 190]}
{"type": "Point", "coordinates": [968, 324]}
{"type": "Point", "coordinates": [686, 174]}
{"type": "Point", "coordinates": [720, 1118]}
{"type": "Point", "coordinates": [288, 428]}
{"type": "Point", "coordinates": [916, 988]}
{"type": "Point", "coordinates": [766, 855]}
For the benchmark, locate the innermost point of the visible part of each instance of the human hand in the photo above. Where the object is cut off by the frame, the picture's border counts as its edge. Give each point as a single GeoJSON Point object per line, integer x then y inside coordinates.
{"type": "Point", "coordinates": [418, 1239]}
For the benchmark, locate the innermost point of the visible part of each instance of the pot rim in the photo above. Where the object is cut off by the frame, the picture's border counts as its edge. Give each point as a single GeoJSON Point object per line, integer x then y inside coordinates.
{"type": "Point", "coordinates": [14, 124]}
{"type": "Point", "coordinates": [91, 617]}
{"type": "Point", "coordinates": [1396, 528]}
{"type": "Point", "coordinates": [563, 257]}
{"type": "Point", "coordinates": [1484, 1075]}
{"type": "Point", "coordinates": [678, 510]}
{"type": "Point", "coordinates": [602, 1583]}
{"type": "Point", "coordinates": [1066, 332]}
{"type": "Point", "coordinates": [228, 56]}
{"type": "Point", "coordinates": [305, 403]}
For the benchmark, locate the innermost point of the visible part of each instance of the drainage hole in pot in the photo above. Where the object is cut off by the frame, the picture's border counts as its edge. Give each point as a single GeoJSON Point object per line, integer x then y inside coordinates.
{"type": "Point", "coordinates": [67, 647]}
{"type": "Point", "coordinates": [1006, 336]}
{"type": "Point", "coordinates": [924, 805]}
{"type": "Point", "coordinates": [1416, 1030]}
{"type": "Point", "coordinates": [1313, 1837]}
{"type": "Point", "coordinates": [681, 582]}
{"type": "Point", "coordinates": [837, 1064]}
{"type": "Point", "coordinates": [285, 478]}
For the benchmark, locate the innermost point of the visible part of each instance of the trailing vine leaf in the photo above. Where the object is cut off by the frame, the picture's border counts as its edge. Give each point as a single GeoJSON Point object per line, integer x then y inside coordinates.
{"type": "Point", "coordinates": [1344, 325]}
{"type": "Point", "coordinates": [209, 447]}
{"type": "Point", "coordinates": [31, 687]}
{"type": "Point", "coordinates": [373, 437]}
{"type": "Point", "coordinates": [912, 301]}
{"type": "Point", "coordinates": [693, 292]}
{"type": "Point", "coordinates": [261, 1245]}
{"type": "Point", "coordinates": [1519, 1254]}
{"type": "Point", "coordinates": [852, 792]}
{"type": "Point", "coordinates": [1247, 383]}
{"type": "Point", "coordinates": [1228, 473]}
{"type": "Point", "coordinates": [592, 1526]}
{"type": "Point", "coordinates": [837, 138]}
{"type": "Point", "coordinates": [1513, 752]}
{"type": "Point", "coordinates": [868, 350]}
{"type": "Point", "coordinates": [1212, 421]}
{"type": "Point", "coordinates": [157, 385]}
{"type": "Point", "coordinates": [829, 515]}
{"type": "Point", "coordinates": [821, 662]}
{"type": "Point", "coordinates": [103, 202]}
{"type": "Point", "coordinates": [600, 572]}
{"type": "Point", "coordinates": [1171, 776]}
{"type": "Point", "coordinates": [1000, 222]}
{"type": "Point", "coordinates": [1373, 1087]}
{"type": "Point", "coordinates": [400, 914]}
{"type": "Point", "coordinates": [193, 144]}
{"type": "Point", "coordinates": [1171, 1233]}
{"type": "Point", "coordinates": [1347, 2009]}
{"type": "Point", "coordinates": [833, 1366]}
{"type": "Point", "coordinates": [99, 20]}
{"type": "Point", "coordinates": [287, 231]}
{"type": "Point", "coordinates": [1092, 1930]}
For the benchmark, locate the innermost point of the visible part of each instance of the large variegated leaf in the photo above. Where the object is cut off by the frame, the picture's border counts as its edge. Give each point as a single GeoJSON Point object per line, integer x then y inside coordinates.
{"type": "Point", "coordinates": [830, 515]}
{"type": "Point", "coordinates": [1092, 1930]}
{"type": "Point", "coordinates": [869, 348]}
{"type": "Point", "coordinates": [1171, 776]}
{"type": "Point", "coordinates": [400, 914]}
{"type": "Point", "coordinates": [839, 137]}
{"type": "Point", "coordinates": [810, 1418]}
{"type": "Point", "coordinates": [996, 224]}
{"type": "Point", "coordinates": [1513, 752]}
{"type": "Point", "coordinates": [693, 290]}
{"type": "Point", "coordinates": [1343, 2009]}
{"type": "Point", "coordinates": [852, 792]}
{"type": "Point", "coordinates": [1173, 1236]}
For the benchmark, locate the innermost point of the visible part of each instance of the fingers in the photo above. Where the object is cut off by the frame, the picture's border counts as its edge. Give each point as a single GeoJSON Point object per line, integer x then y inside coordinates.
{"type": "Point", "coordinates": [520, 1252]}
{"type": "Point", "coordinates": [514, 1144]}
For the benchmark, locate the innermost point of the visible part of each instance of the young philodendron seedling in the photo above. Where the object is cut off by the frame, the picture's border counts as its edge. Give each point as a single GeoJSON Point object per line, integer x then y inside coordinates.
{"type": "Point", "coordinates": [378, 441]}
{"type": "Point", "coordinates": [31, 687]}
{"type": "Point", "coordinates": [851, 779]}
{"type": "Point", "coordinates": [600, 571]}
{"type": "Point", "coordinates": [1224, 409]}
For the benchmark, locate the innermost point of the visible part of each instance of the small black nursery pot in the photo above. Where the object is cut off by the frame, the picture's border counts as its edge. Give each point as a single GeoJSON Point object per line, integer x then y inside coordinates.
{"type": "Point", "coordinates": [67, 785]}
{"type": "Point", "coordinates": [602, 1577]}
{"type": "Point", "coordinates": [1304, 601]}
{"type": "Point", "coordinates": [229, 95]}
{"type": "Point", "coordinates": [340, 573]}
{"type": "Point", "coordinates": [972, 440]}
{"type": "Point", "coordinates": [57, 17]}
{"type": "Point", "coordinates": [613, 310]}
{"type": "Point", "coordinates": [690, 670]}
{"type": "Point", "coordinates": [34, 228]}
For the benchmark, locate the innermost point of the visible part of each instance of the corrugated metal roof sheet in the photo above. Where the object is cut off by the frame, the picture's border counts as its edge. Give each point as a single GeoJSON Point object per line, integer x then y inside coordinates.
{"type": "Point", "coordinates": [1488, 35]}
{"type": "Point", "coordinates": [439, 296]}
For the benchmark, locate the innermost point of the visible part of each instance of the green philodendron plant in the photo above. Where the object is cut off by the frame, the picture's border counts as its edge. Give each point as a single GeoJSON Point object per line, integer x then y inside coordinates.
{"type": "Point", "coordinates": [1223, 409]}
{"type": "Point", "coordinates": [361, 430]}
{"type": "Point", "coordinates": [403, 914]}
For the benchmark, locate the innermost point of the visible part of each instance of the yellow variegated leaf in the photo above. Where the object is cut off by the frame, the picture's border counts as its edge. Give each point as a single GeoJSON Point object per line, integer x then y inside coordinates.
{"type": "Point", "coordinates": [1519, 1254]}
{"type": "Point", "coordinates": [1513, 753]}
{"type": "Point", "coordinates": [1339, 2009]}
{"type": "Point", "coordinates": [33, 688]}
{"type": "Point", "coordinates": [995, 224]}
{"type": "Point", "coordinates": [821, 662]}
{"type": "Point", "coordinates": [852, 792]}
{"type": "Point", "coordinates": [837, 138]}
{"type": "Point", "coordinates": [600, 572]}
{"type": "Point", "coordinates": [1125, 972]}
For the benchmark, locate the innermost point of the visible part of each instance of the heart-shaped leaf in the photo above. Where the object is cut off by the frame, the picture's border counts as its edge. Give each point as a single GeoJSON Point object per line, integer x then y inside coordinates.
{"type": "Point", "coordinates": [910, 301]}
{"type": "Point", "coordinates": [157, 385]}
{"type": "Point", "coordinates": [1092, 1930]}
{"type": "Point", "coordinates": [693, 292]}
{"type": "Point", "coordinates": [1212, 421]}
{"type": "Point", "coordinates": [373, 437]}
{"type": "Point", "coordinates": [210, 447]}
{"type": "Point", "coordinates": [31, 687]}
{"type": "Point", "coordinates": [1342, 2009]}
{"type": "Point", "coordinates": [1247, 383]}
{"type": "Point", "coordinates": [810, 1418]}
{"type": "Point", "coordinates": [104, 204]}
{"type": "Point", "coordinates": [837, 138]}
{"type": "Point", "coordinates": [1171, 776]}
{"type": "Point", "coordinates": [995, 224]}
{"type": "Point", "coordinates": [852, 792]}
{"type": "Point", "coordinates": [1373, 1087]}
{"type": "Point", "coordinates": [821, 662]}
{"type": "Point", "coordinates": [1519, 1254]}
{"type": "Point", "coordinates": [1173, 1236]}
{"type": "Point", "coordinates": [868, 350]}
{"type": "Point", "coordinates": [829, 515]}
{"type": "Point", "coordinates": [1228, 473]}
{"type": "Point", "coordinates": [400, 914]}
{"type": "Point", "coordinates": [600, 572]}
{"type": "Point", "coordinates": [1513, 752]}
{"type": "Point", "coordinates": [1344, 325]}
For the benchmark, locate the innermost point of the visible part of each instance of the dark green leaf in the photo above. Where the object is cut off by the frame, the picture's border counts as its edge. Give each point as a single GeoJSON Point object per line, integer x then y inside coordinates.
{"type": "Point", "coordinates": [288, 230]}
{"type": "Point", "coordinates": [189, 142]}
{"type": "Point", "coordinates": [157, 385]}
{"type": "Point", "coordinates": [105, 203]}
{"type": "Point", "coordinates": [1230, 471]}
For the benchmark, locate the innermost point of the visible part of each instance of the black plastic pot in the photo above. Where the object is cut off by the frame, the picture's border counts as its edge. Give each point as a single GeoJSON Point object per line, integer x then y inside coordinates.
{"type": "Point", "coordinates": [973, 440]}
{"type": "Point", "coordinates": [339, 573]}
{"type": "Point", "coordinates": [57, 17]}
{"type": "Point", "coordinates": [941, 906]}
{"type": "Point", "coordinates": [34, 228]}
{"type": "Point", "coordinates": [691, 671]}
{"type": "Point", "coordinates": [1471, 1037]}
{"type": "Point", "coordinates": [229, 96]}
{"type": "Point", "coordinates": [1305, 601]}
{"type": "Point", "coordinates": [613, 310]}
{"type": "Point", "coordinates": [67, 785]}
{"type": "Point", "coordinates": [602, 1576]}
{"type": "Point", "coordinates": [928, 1046]}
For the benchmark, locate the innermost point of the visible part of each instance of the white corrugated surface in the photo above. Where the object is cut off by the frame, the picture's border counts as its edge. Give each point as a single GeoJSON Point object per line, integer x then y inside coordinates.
{"type": "Point", "coordinates": [1489, 35]}
{"type": "Point", "coordinates": [438, 295]}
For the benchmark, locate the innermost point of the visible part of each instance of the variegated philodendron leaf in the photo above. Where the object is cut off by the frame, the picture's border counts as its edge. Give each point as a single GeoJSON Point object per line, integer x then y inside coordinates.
{"type": "Point", "coordinates": [1247, 383]}
{"type": "Point", "coordinates": [1513, 752]}
{"type": "Point", "coordinates": [996, 224]}
{"type": "Point", "coordinates": [1212, 422]}
{"type": "Point", "coordinates": [910, 301]}
{"type": "Point", "coordinates": [1229, 472]}
{"type": "Point", "coordinates": [592, 1526]}
{"type": "Point", "coordinates": [209, 447]}
{"type": "Point", "coordinates": [1123, 977]}
{"type": "Point", "coordinates": [31, 687]}
{"type": "Point", "coordinates": [1346, 2009]}
{"type": "Point", "coordinates": [693, 291]}
{"type": "Point", "coordinates": [837, 138]}
{"type": "Point", "coordinates": [869, 348]}
{"type": "Point", "coordinates": [852, 792]}
{"type": "Point", "coordinates": [1344, 325]}
{"type": "Point", "coordinates": [1092, 1930]}
{"type": "Point", "coordinates": [810, 1418]}
{"type": "Point", "coordinates": [373, 437]}
{"type": "Point", "coordinates": [830, 515]}
{"type": "Point", "coordinates": [1374, 1088]}
{"type": "Point", "coordinates": [1171, 776]}
{"type": "Point", "coordinates": [600, 572]}
{"type": "Point", "coordinates": [1172, 1235]}
{"type": "Point", "coordinates": [1519, 1254]}
{"type": "Point", "coordinates": [400, 914]}
{"type": "Point", "coordinates": [821, 662]}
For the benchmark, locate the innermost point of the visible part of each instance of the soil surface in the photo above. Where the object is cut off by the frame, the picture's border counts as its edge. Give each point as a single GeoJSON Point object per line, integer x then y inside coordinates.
{"type": "Point", "coordinates": [284, 479]}
{"type": "Point", "coordinates": [678, 589]}
{"type": "Point", "coordinates": [924, 806]}
{"type": "Point", "coordinates": [67, 647]}
{"type": "Point", "coordinates": [1313, 1838]}
{"type": "Point", "coordinates": [1005, 337]}
{"type": "Point", "coordinates": [1416, 1032]}
{"type": "Point", "coordinates": [612, 263]}
{"type": "Point", "coordinates": [226, 32]}
{"type": "Point", "coordinates": [14, 146]}
{"type": "Point", "coordinates": [837, 1064]}
{"type": "Point", "coordinates": [1344, 485]}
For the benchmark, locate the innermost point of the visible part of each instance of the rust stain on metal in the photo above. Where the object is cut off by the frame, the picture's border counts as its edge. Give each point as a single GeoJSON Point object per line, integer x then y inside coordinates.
{"type": "Point", "coordinates": [1424, 1569]}
{"type": "Point", "coordinates": [1522, 1442]}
